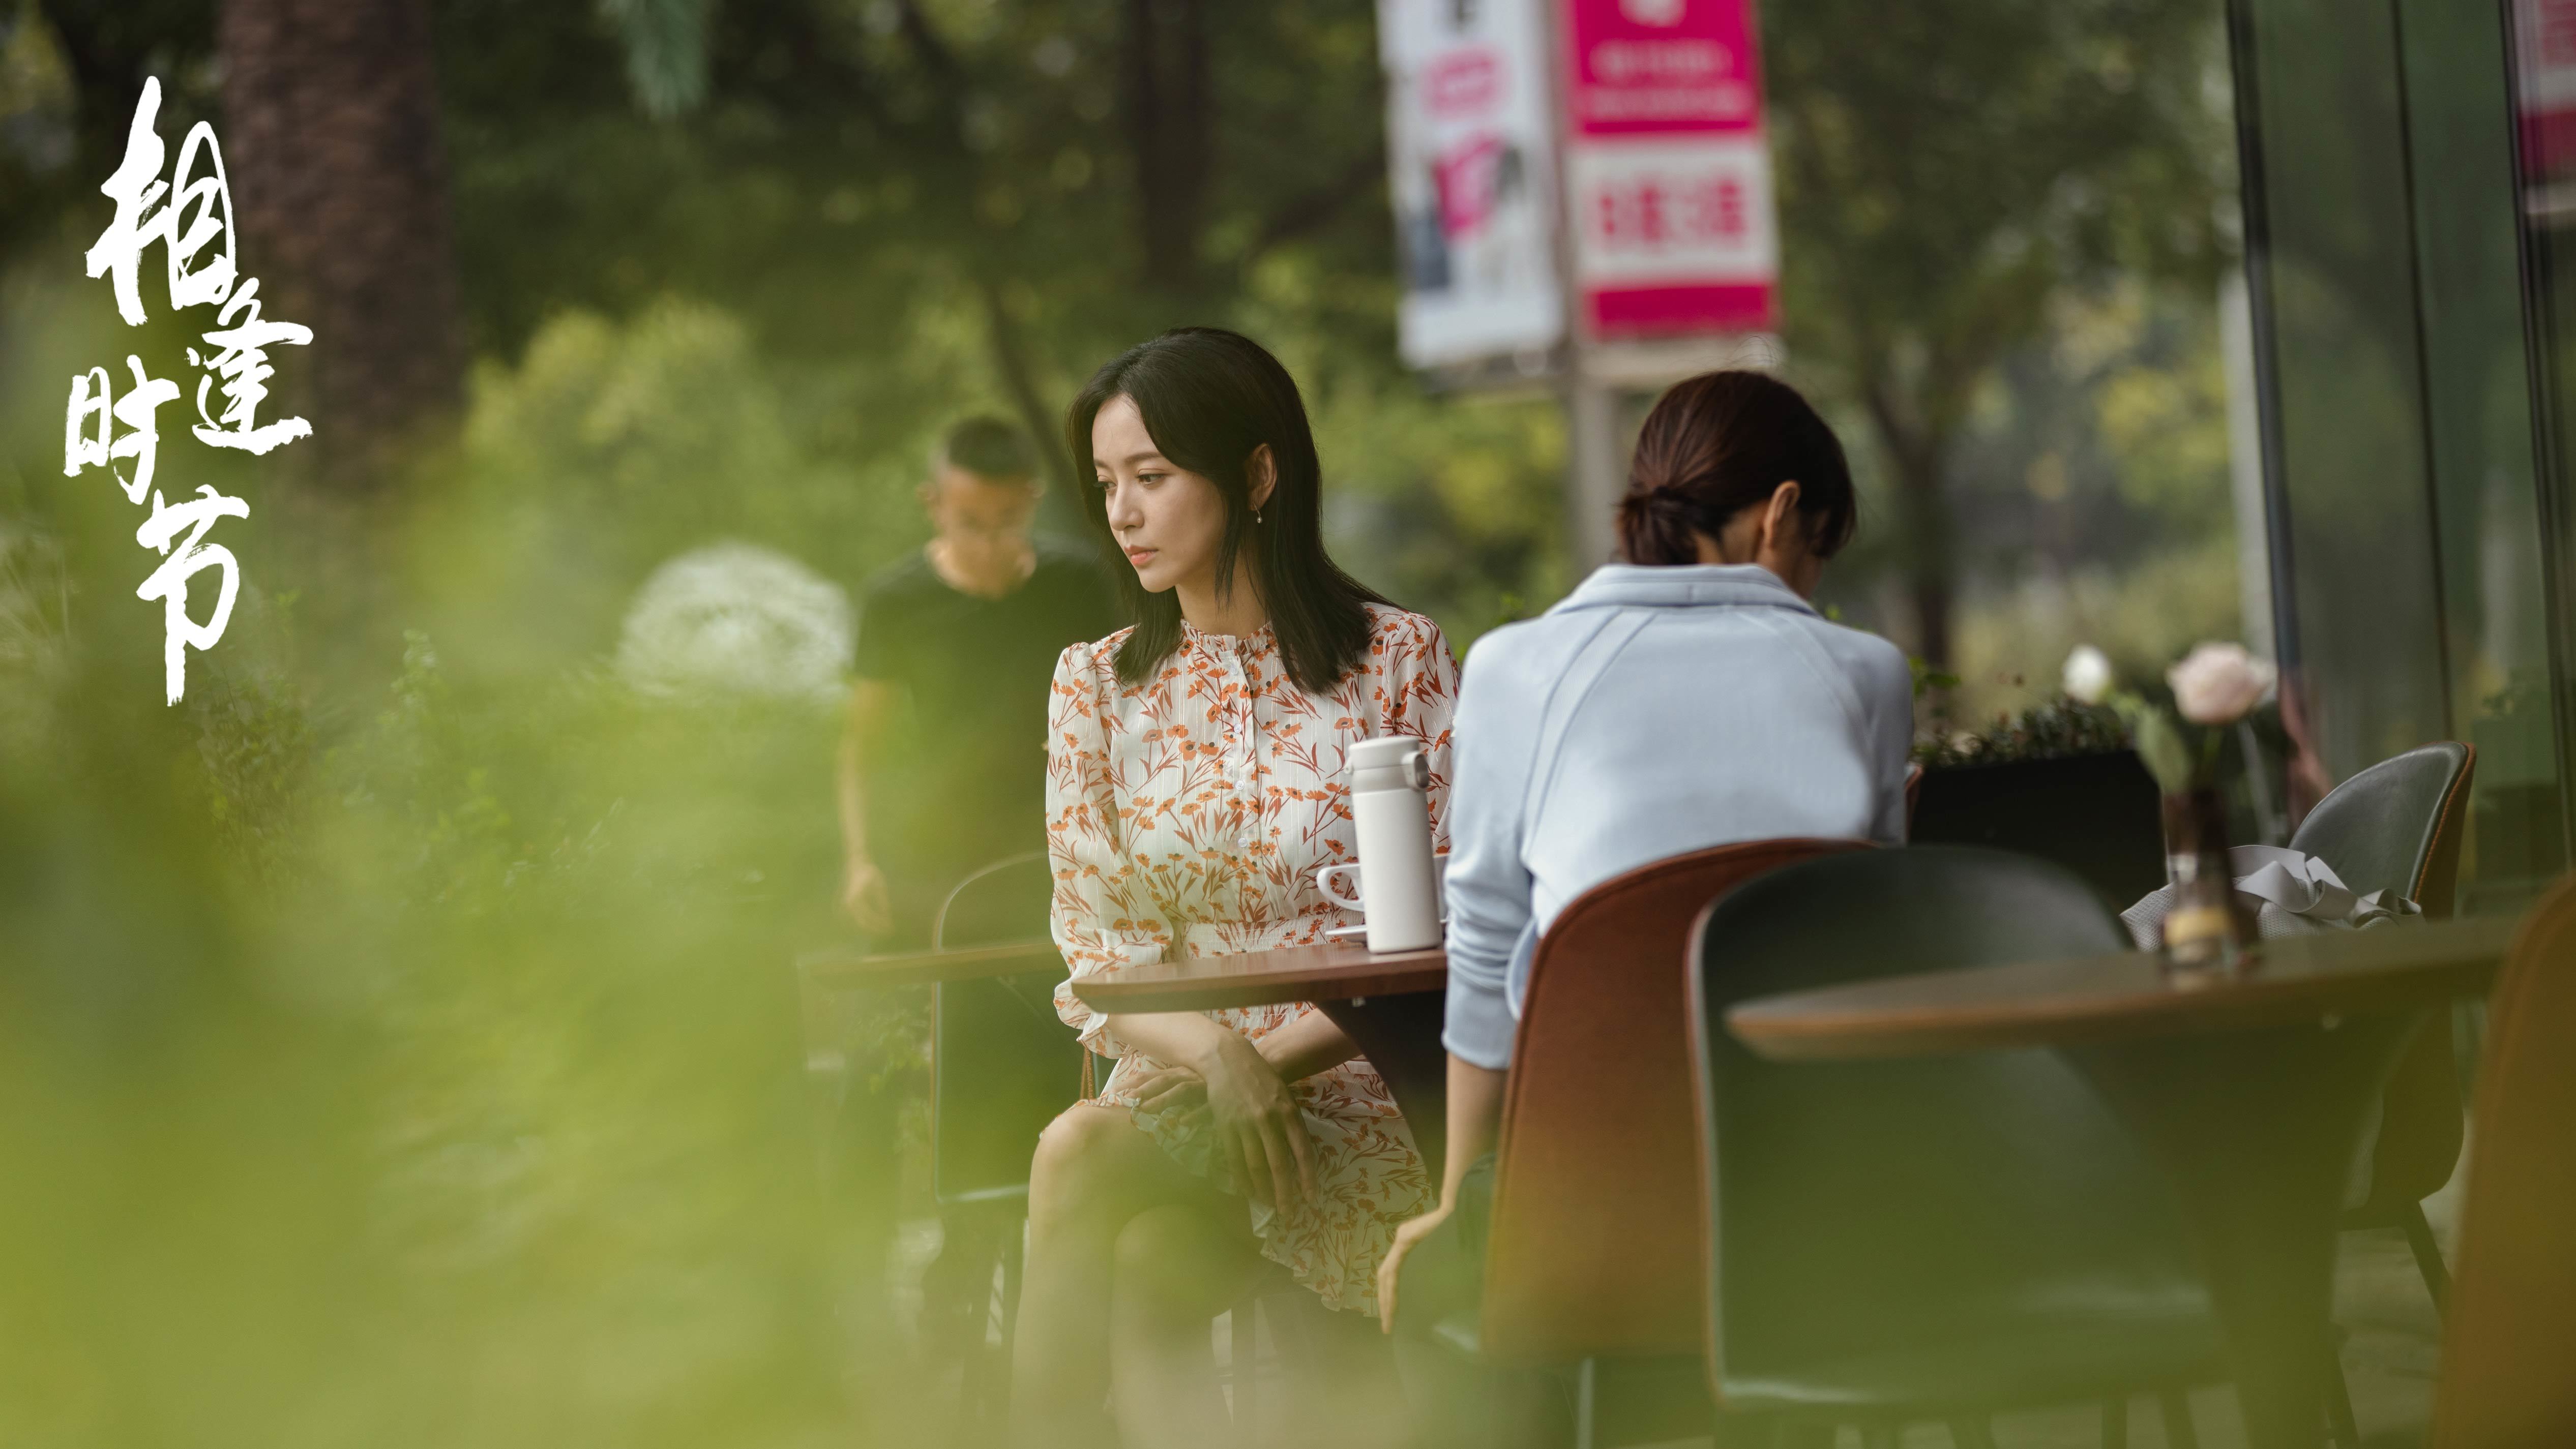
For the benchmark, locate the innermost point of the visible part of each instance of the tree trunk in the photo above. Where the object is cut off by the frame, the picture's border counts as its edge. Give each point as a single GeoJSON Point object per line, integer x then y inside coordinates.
{"type": "Point", "coordinates": [331, 140]}
{"type": "Point", "coordinates": [1169, 121]}
{"type": "Point", "coordinates": [1916, 452]}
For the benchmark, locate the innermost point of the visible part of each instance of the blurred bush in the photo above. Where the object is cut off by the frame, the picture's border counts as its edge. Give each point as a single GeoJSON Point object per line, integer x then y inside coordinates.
{"type": "Point", "coordinates": [404, 1050]}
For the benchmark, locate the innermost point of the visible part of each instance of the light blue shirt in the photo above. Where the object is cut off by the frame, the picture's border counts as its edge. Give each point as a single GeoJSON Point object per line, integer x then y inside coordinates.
{"type": "Point", "coordinates": [1654, 712]}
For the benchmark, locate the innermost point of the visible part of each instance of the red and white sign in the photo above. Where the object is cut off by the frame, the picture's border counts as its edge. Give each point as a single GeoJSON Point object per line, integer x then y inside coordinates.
{"type": "Point", "coordinates": [1668, 173]}
{"type": "Point", "coordinates": [1472, 174]}
{"type": "Point", "coordinates": [2545, 41]}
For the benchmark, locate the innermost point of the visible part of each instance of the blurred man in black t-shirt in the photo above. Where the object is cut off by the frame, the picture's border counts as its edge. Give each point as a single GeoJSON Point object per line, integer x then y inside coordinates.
{"type": "Point", "coordinates": [967, 632]}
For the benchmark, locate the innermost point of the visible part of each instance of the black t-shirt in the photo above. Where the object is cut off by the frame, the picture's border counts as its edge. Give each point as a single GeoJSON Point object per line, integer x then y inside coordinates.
{"type": "Point", "coordinates": [963, 781]}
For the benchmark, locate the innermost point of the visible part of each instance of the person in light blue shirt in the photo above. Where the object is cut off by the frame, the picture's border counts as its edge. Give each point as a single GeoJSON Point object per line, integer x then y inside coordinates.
{"type": "Point", "coordinates": [1687, 698]}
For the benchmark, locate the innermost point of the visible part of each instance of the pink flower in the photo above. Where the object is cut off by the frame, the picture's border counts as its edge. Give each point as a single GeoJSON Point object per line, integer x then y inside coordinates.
{"type": "Point", "coordinates": [2216, 684]}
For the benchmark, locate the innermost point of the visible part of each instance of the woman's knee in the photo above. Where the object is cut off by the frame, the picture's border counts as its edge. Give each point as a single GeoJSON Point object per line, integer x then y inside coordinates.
{"type": "Point", "coordinates": [1077, 1158]}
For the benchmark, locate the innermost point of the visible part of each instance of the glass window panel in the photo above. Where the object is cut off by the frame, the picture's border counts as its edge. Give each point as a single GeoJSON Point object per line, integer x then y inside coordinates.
{"type": "Point", "coordinates": [2477, 395]}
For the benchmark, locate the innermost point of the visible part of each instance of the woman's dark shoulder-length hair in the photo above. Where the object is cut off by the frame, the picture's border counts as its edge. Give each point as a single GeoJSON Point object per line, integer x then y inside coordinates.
{"type": "Point", "coordinates": [1719, 443]}
{"type": "Point", "coordinates": [1209, 398]}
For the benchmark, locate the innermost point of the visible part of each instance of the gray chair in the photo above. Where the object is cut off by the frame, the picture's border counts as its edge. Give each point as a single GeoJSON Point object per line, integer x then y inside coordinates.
{"type": "Point", "coordinates": [1942, 1238]}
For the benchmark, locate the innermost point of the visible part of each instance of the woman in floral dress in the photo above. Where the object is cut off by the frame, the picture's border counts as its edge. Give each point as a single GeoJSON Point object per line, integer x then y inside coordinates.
{"type": "Point", "coordinates": [1194, 786]}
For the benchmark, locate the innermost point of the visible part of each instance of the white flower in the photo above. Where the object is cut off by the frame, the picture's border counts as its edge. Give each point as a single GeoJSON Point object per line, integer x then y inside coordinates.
{"type": "Point", "coordinates": [2088, 675]}
{"type": "Point", "coordinates": [736, 619]}
{"type": "Point", "coordinates": [2216, 684]}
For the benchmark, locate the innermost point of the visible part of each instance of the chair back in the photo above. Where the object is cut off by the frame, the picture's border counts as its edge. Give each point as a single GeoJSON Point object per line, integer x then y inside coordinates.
{"type": "Point", "coordinates": [2397, 826]}
{"type": "Point", "coordinates": [1863, 1210]}
{"type": "Point", "coordinates": [1000, 903]}
{"type": "Point", "coordinates": [1002, 1064]}
{"type": "Point", "coordinates": [2512, 1314]}
{"type": "Point", "coordinates": [1594, 1247]}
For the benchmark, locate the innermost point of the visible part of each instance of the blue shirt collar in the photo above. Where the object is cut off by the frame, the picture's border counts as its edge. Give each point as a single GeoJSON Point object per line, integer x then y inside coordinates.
{"type": "Point", "coordinates": [1670, 586]}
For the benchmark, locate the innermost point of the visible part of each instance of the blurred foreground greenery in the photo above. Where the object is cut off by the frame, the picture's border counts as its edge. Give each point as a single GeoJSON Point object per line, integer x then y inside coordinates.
{"type": "Point", "coordinates": [399, 1032]}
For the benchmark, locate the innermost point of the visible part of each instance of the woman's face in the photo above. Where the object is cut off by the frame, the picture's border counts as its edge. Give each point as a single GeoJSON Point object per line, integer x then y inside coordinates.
{"type": "Point", "coordinates": [1168, 520]}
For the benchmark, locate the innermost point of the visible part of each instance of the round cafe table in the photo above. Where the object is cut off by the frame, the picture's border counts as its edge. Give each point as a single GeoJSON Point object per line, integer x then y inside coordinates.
{"type": "Point", "coordinates": [2252, 1095]}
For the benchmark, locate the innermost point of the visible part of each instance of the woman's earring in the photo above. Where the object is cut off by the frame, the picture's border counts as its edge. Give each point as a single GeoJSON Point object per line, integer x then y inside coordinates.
{"type": "Point", "coordinates": [1256, 518]}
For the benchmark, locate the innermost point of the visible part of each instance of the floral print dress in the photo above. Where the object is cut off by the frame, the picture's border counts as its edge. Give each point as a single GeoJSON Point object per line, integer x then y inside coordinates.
{"type": "Point", "coordinates": [1188, 814]}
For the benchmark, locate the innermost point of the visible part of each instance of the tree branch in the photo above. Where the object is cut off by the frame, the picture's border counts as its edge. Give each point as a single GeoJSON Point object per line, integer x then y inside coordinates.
{"type": "Point", "coordinates": [925, 42]}
{"type": "Point", "coordinates": [1313, 210]}
{"type": "Point", "coordinates": [1010, 359]}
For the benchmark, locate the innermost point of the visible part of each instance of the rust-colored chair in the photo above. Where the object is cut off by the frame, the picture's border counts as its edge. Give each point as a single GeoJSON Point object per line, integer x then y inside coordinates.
{"type": "Point", "coordinates": [1598, 1233]}
{"type": "Point", "coordinates": [2505, 1378]}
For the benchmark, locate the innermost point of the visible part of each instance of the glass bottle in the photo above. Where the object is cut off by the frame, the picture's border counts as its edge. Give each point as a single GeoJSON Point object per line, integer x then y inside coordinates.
{"type": "Point", "coordinates": [2208, 933]}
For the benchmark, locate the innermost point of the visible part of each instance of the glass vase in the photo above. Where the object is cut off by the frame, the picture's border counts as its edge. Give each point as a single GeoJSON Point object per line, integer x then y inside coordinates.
{"type": "Point", "coordinates": [2208, 934]}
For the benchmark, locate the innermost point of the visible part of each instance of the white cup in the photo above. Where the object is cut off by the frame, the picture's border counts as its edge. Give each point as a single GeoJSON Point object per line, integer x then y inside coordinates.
{"type": "Point", "coordinates": [1331, 880]}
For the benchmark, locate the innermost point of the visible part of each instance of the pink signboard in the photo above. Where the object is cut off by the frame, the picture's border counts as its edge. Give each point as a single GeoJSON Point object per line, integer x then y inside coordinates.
{"type": "Point", "coordinates": [1668, 173]}
{"type": "Point", "coordinates": [2546, 44]}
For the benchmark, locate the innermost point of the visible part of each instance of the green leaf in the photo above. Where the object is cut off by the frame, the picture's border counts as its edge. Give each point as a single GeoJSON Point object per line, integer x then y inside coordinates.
{"type": "Point", "coordinates": [2160, 744]}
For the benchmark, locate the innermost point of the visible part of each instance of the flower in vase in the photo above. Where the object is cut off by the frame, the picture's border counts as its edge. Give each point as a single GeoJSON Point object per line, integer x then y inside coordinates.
{"type": "Point", "coordinates": [2088, 677]}
{"type": "Point", "coordinates": [2216, 684]}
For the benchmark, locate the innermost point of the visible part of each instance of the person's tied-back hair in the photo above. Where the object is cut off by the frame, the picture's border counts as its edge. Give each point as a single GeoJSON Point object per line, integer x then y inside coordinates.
{"type": "Point", "coordinates": [1209, 398]}
{"type": "Point", "coordinates": [1720, 443]}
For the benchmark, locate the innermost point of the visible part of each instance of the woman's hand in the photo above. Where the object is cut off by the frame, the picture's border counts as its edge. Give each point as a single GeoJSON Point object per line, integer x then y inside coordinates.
{"type": "Point", "coordinates": [1257, 1122]}
{"type": "Point", "coordinates": [1407, 1234]}
{"type": "Point", "coordinates": [1171, 1089]}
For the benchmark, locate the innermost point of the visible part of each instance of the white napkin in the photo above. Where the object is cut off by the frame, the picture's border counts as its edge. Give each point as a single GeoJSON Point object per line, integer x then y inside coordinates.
{"type": "Point", "coordinates": [2290, 894]}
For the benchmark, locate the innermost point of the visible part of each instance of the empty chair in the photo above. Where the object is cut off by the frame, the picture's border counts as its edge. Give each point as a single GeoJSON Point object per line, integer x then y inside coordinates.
{"type": "Point", "coordinates": [2504, 1379]}
{"type": "Point", "coordinates": [1934, 1238]}
{"type": "Point", "coordinates": [1001, 1067]}
{"type": "Point", "coordinates": [2397, 826]}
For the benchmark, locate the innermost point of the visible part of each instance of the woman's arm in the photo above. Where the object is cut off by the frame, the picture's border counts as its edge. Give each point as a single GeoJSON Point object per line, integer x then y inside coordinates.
{"type": "Point", "coordinates": [1099, 914]}
{"type": "Point", "coordinates": [1310, 1044]}
{"type": "Point", "coordinates": [1489, 917]}
{"type": "Point", "coordinates": [1475, 1120]}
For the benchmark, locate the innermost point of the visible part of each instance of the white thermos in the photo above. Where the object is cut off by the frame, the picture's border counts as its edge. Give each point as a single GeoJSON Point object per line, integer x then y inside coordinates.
{"type": "Point", "coordinates": [1391, 812]}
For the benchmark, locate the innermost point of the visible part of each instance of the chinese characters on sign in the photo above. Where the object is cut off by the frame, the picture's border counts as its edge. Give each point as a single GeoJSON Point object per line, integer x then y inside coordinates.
{"type": "Point", "coordinates": [1668, 175]}
{"type": "Point", "coordinates": [191, 216]}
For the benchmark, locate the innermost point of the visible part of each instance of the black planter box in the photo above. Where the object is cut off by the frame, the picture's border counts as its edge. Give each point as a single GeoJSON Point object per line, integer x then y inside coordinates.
{"type": "Point", "coordinates": [2097, 815]}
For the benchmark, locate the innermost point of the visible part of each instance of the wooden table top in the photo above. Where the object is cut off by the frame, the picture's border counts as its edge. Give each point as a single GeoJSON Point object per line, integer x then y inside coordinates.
{"type": "Point", "coordinates": [1335, 971]}
{"type": "Point", "coordinates": [2126, 994]}
{"type": "Point", "coordinates": [842, 968]}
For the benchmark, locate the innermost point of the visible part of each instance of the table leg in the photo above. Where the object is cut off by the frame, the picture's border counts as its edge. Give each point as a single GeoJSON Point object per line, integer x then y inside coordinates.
{"type": "Point", "coordinates": [2258, 1131]}
{"type": "Point", "coordinates": [1400, 1035]}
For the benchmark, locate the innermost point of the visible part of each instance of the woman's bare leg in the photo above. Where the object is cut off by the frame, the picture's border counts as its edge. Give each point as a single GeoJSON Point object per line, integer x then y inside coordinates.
{"type": "Point", "coordinates": [1094, 1172]}
{"type": "Point", "coordinates": [1178, 1267]}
